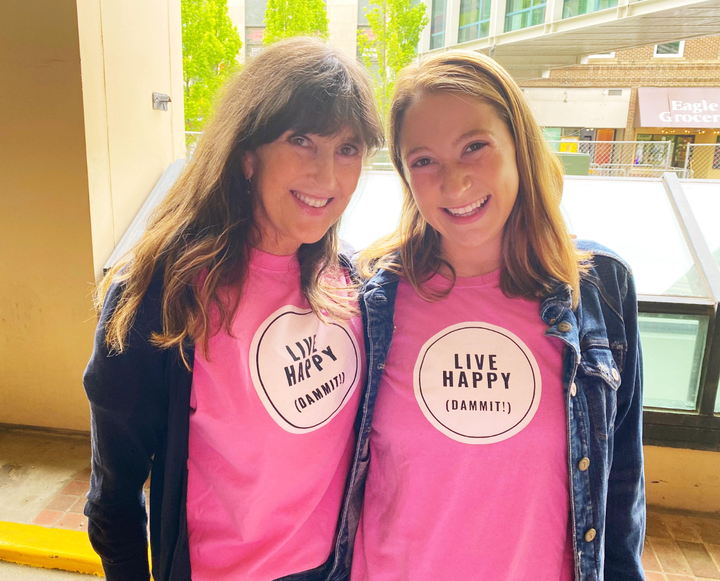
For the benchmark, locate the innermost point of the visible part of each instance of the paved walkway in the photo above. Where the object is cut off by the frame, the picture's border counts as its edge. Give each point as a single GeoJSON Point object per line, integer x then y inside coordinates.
{"type": "Point", "coordinates": [44, 478]}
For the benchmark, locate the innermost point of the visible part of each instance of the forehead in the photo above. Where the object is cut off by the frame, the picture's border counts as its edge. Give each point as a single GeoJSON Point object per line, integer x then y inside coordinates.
{"type": "Point", "coordinates": [444, 116]}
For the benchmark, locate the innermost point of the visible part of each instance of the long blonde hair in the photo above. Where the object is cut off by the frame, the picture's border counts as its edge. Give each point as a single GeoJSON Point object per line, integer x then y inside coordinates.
{"type": "Point", "coordinates": [206, 222]}
{"type": "Point", "coordinates": [537, 250]}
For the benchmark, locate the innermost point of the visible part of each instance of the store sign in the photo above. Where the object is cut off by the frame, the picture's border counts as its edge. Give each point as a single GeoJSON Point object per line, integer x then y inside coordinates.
{"type": "Point", "coordinates": [678, 107]}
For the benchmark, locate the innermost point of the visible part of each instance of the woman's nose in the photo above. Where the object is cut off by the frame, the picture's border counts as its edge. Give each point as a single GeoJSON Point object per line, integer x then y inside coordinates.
{"type": "Point", "coordinates": [325, 171]}
{"type": "Point", "coordinates": [456, 182]}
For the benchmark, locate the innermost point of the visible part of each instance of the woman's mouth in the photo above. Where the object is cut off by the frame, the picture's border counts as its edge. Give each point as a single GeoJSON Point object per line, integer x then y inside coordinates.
{"type": "Point", "coordinates": [469, 209]}
{"type": "Point", "coordinates": [310, 201]}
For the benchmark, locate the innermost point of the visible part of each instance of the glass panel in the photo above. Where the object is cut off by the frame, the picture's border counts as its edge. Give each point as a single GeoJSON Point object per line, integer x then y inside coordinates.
{"type": "Point", "coordinates": [469, 12]}
{"type": "Point", "coordinates": [704, 199]}
{"type": "Point", "coordinates": [253, 41]}
{"type": "Point", "coordinates": [437, 22]}
{"type": "Point", "coordinates": [374, 210]}
{"type": "Point", "coordinates": [538, 16]}
{"type": "Point", "coordinates": [668, 48]}
{"type": "Point", "coordinates": [672, 348]}
{"type": "Point", "coordinates": [576, 7]}
{"type": "Point", "coordinates": [468, 33]}
{"type": "Point", "coordinates": [255, 13]}
{"type": "Point", "coordinates": [437, 40]}
{"type": "Point", "coordinates": [634, 218]}
{"type": "Point", "coordinates": [363, 5]}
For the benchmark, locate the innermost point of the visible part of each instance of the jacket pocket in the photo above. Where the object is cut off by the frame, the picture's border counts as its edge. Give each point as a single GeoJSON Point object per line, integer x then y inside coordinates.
{"type": "Point", "coordinates": [599, 379]}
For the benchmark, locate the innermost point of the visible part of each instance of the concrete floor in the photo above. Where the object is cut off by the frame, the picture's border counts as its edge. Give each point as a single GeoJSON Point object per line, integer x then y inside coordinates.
{"type": "Point", "coordinates": [12, 572]}
{"type": "Point", "coordinates": [34, 467]}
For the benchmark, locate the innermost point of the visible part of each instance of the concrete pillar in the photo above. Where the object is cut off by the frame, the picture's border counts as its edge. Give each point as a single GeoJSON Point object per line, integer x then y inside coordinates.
{"type": "Point", "coordinates": [342, 24]}
{"type": "Point", "coordinates": [81, 149]}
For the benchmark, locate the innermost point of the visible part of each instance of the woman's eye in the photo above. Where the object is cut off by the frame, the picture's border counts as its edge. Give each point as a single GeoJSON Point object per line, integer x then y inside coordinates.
{"type": "Point", "coordinates": [300, 140]}
{"type": "Point", "coordinates": [422, 162]}
{"type": "Point", "coordinates": [476, 146]}
{"type": "Point", "coordinates": [348, 150]}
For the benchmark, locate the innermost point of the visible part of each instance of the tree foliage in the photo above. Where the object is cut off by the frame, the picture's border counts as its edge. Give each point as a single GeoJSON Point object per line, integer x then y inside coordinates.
{"type": "Point", "coordinates": [390, 43]}
{"type": "Point", "coordinates": [211, 44]}
{"type": "Point", "coordinates": [286, 18]}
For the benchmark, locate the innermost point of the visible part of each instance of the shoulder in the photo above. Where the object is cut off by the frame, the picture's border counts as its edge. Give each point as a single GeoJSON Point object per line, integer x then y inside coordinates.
{"type": "Point", "coordinates": [148, 318]}
{"type": "Point", "coordinates": [602, 255]}
{"type": "Point", "coordinates": [606, 268]}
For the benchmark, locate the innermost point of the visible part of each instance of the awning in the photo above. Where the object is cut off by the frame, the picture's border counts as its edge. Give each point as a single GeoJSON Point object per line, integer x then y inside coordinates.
{"type": "Point", "coordinates": [574, 107]}
{"type": "Point", "coordinates": [685, 107]}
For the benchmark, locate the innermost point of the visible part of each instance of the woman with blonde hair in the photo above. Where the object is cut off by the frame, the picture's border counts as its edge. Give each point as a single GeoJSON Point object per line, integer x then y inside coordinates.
{"type": "Point", "coordinates": [229, 349]}
{"type": "Point", "coordinates": [502, 434]}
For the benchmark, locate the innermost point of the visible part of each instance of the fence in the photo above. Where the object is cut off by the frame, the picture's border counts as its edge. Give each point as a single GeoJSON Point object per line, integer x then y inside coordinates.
{"type": "Point", "coordinates": [191, 139]}
{"type": "Point", "coordinates": [703, 161]}
{"type": "Point", "coordinates": [641, 159]}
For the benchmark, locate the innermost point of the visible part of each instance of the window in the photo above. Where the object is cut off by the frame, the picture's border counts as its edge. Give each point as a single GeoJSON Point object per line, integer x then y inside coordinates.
{"type": "Point", "coordinates": [603, 55]}
{"type": "Point", "coordinates": [523, 13]}
{"type": "Point", "coordinates": [437, 24]}
{"type": "Point", "coordinates": [577, 7]}
{"type": "Point", "coordinates": [670, 49]}
{"type": "Point", "coordinates": [474, 19]}
{"type": "Point", "coordinates": [253, 40]}
{"type": "Point", "coordinates": [716, 154]}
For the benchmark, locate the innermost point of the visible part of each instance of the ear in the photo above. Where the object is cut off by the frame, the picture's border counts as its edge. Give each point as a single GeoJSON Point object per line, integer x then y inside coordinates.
{"type": "Point", "coordinates": [249, 164]}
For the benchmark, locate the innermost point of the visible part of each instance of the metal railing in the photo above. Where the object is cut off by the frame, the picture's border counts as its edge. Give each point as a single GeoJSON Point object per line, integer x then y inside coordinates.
{"type": "Point", "coordinates": [623, 158]}
{"type": "Point", "coordinates": [191, 139]}
{"type": "Point", "coordinates": [702, 161]}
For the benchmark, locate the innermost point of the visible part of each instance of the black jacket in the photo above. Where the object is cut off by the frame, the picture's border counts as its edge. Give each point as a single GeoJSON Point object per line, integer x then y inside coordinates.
{"type": "Point", "coordinates": [140, 410]}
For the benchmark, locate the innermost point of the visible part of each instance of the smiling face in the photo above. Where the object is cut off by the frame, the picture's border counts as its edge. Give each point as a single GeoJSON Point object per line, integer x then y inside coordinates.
{"type": "Point", "coordinates": [458, 156]}
{"type": "Point", "coordinates": [302, 184]}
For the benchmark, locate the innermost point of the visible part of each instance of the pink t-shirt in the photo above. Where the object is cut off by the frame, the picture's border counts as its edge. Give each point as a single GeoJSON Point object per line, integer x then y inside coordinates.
{"type": "Point", "coordinates": [271, 432]}
{"type": "Point", "coordinates": [468, 470]}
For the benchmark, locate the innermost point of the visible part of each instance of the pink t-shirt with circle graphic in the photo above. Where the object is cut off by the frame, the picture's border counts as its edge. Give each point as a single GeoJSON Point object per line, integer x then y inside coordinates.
{"type": "Point", "coordinates": [468, 473]}
{"type": "Point", "coordinates": [271, 432]}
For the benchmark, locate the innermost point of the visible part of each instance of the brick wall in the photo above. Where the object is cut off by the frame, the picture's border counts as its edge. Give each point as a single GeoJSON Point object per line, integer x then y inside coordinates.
{"type": "Point", "coordinates": [698, 67]}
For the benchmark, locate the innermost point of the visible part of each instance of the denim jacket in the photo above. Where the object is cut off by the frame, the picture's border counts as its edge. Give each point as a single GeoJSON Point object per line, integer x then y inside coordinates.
{"type": "Point", "coordinates": [602, 379]}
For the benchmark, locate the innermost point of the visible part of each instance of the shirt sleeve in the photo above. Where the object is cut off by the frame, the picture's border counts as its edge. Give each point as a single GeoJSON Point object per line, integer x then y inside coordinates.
{"type": "Point", "coordinates": [128, 403]}
{"type": "Point", "coordinates": [625, 517]}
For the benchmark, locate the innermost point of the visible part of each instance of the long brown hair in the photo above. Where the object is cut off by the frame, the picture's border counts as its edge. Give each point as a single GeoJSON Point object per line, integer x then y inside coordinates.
{"type": "Point", "coordinates": [206, 222]}
{"type": "Point", "coordinates": [537, 250]}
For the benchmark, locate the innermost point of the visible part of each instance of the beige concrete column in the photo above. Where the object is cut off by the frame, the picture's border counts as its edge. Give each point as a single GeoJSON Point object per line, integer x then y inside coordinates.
{"type": "Point", "coordinates": [81, 149]}
{"type": "Point", "coordinates": [236, 10]}
{"type": "Point", "coordinates": [342, 24]}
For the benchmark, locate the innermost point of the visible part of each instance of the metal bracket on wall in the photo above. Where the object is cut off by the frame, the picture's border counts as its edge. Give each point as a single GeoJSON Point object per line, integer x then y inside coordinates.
{"type": "Point", "coordinates": [160, 101]}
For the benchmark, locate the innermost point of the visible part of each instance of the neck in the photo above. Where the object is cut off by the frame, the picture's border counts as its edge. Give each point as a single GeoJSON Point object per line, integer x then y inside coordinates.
{"type": "Point", "coordinates": [469, 262]}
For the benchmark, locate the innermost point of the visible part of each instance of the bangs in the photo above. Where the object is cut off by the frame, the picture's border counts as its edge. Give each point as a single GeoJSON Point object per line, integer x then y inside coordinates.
{"type": "Point", "coordinates": [325, 101]}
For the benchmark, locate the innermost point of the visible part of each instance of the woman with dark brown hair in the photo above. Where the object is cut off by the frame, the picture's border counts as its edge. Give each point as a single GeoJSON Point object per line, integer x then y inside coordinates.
{"type": "Point", "coordinates": [229, 352]}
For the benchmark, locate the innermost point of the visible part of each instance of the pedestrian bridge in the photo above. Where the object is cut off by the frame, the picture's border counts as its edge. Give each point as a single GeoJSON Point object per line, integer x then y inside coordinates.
{"type": "Point", "coordinates": [529, 37]}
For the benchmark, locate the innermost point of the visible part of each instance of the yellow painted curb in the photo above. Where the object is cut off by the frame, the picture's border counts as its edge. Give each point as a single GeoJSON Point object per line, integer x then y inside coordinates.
{"type": "Point", "coordinates": [49, 548]}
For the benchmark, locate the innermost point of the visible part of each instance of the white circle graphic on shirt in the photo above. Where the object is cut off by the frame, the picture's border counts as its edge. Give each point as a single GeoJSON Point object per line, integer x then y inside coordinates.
{"type": "Point", "coordinates": [304, 371]}
{"type": "Point", "coordinates": [477, 383]}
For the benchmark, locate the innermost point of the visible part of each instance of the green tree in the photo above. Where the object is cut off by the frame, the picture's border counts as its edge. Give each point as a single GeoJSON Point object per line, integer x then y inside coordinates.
{"type": "Point", "coordinates": [211, 44]}
{"type": "Point", "coordinates": [390, 43]}
{"type": "Point", "coordinates": [286, 18]}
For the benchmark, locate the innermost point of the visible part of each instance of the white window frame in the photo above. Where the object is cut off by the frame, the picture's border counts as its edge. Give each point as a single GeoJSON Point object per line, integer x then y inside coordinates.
{"type": "Point", "coordinates": [681, 51]}
{"type": "Point", "coordinates": [604, 55]}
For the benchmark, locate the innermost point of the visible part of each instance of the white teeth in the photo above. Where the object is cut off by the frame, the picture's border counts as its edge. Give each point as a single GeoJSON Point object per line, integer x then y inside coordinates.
{"type": "Point", "coordinates": [469, 209]}
{"type": "Point", "coordinates": [314, 202]}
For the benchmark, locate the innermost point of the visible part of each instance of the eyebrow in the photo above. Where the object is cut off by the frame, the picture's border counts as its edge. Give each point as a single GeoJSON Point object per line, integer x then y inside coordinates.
{"type": "Point", "coordinates": [463, 137]}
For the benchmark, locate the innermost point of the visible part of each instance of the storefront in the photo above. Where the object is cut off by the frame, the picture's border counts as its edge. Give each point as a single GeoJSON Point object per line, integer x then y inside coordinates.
{"type": "Point", "coordinates": [571, 116]}
{"type": "Point", "coordinates": [688, 118]}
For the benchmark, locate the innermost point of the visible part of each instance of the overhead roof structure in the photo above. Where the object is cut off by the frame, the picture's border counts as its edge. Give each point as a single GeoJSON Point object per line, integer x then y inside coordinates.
{"type": "Point", "coordinates": [530, 52]}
